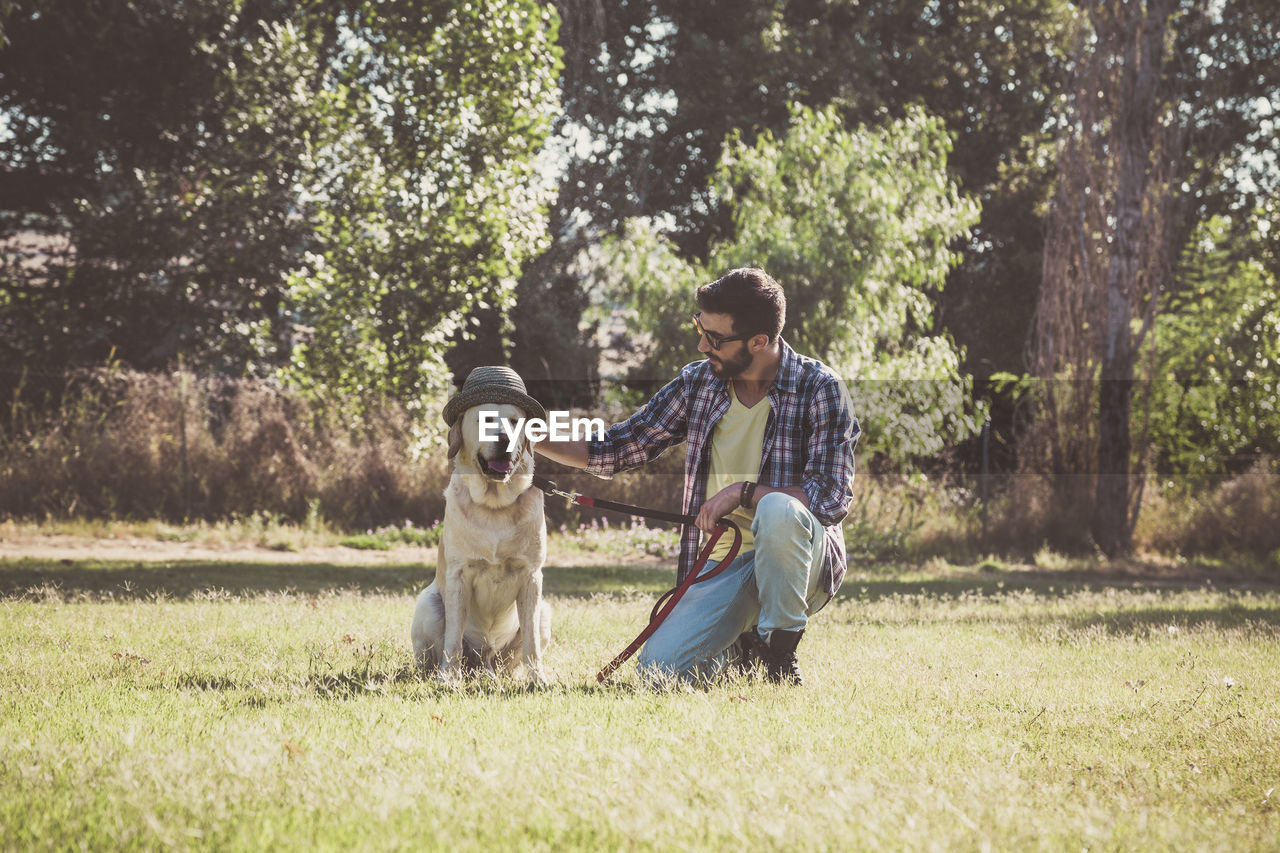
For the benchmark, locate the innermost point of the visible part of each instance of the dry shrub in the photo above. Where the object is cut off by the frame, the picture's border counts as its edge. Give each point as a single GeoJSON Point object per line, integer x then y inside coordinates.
{"type": "Point", "coordinates": [950, 526]}
{"type": "Point", "coordinates": [377, 475]}
{"type": "Point", "coordinates": [1030, 512]}
{"type": "Point", "coordinates": [897, 517]}
{"type": "Point", "coordinates": [123, 444]}
{"type": "Point", "coordinates": [1237, 516]}
{"type": "Point", "coordinates": [254, 450]}
{"type": "Point", "coordinates": [109, 449]}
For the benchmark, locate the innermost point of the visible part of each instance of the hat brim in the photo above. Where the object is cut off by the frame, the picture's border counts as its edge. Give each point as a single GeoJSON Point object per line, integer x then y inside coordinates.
{"type": "Point", "coordinates": [469, 397]}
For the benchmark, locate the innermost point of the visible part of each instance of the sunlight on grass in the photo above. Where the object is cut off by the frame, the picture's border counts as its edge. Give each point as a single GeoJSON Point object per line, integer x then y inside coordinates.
{"type": "Point", "coordinates": [258, 529]}
{"type": "Point", "coordinates": [946, 712]}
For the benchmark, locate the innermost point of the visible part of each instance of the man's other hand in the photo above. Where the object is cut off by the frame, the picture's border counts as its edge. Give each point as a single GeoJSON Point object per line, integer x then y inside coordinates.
{"type": "Point", "coordinates": [720, 504]}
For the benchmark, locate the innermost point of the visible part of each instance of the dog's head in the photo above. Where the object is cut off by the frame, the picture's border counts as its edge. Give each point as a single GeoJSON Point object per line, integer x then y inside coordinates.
{"type": "Point", "coordinates": [504, 454]}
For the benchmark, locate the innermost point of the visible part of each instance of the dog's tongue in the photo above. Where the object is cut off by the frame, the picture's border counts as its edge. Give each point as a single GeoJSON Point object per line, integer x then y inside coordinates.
{"type": "Point", "coordinates": [500, 467]}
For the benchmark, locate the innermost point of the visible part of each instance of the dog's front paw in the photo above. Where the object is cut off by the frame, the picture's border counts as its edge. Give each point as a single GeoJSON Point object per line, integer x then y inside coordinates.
{"type": "Point", "coordinates": [535, 677]}
{"type": "Point", "coordinates": [451, 676]}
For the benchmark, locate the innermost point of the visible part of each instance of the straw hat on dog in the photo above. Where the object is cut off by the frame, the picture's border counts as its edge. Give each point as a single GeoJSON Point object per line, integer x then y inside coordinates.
{"type": "Point", "coordinates": [492, 384]}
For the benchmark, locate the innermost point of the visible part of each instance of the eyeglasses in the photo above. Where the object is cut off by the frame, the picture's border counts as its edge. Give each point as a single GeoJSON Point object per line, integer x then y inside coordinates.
{"type": "Point", "coordinates": [713, 339]}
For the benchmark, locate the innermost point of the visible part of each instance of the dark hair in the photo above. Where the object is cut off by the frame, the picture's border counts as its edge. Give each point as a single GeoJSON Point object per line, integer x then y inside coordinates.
{"type": "Point", "coordinates": [751, 297]}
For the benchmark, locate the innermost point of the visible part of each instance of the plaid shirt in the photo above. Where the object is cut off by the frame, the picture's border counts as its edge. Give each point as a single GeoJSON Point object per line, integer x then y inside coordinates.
{"type": "Point", "coordinates": [808, 442]}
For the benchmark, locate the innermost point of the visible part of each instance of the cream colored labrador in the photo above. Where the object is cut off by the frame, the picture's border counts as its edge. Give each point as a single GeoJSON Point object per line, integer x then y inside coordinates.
{"type": "Point", "coordinates": [485, 607]}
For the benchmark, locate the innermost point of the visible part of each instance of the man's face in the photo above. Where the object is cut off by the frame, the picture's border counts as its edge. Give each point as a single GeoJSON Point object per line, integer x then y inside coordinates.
{"type": "Point", "coordinates": [733, 357]}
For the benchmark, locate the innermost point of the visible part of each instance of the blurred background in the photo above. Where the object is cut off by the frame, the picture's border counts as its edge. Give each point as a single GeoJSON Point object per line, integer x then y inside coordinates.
{"type": "Point", "coordinates": [248, 248]}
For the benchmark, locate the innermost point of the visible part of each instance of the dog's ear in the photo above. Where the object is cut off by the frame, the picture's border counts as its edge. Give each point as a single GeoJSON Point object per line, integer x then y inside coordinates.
{"type": "Point", "coordinates": [455, 438]}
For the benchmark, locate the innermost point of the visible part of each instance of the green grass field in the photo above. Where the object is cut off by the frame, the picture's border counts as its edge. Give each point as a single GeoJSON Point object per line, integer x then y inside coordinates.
{"type": "Point", "coordinates": [262, 706]}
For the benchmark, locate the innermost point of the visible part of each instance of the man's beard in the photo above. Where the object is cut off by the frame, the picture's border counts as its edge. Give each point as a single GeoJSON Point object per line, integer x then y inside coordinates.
{"type": "Point", "coordinates": [731, 368]}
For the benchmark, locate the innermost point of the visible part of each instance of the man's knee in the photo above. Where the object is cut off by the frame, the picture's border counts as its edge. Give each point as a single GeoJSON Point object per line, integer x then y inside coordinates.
{"type": "Point", "coordinates": [778, 511]}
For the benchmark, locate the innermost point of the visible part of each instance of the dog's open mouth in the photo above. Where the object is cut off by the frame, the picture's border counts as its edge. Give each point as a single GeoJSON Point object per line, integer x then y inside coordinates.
{"type": "Point", "coordinates": [495, 469]}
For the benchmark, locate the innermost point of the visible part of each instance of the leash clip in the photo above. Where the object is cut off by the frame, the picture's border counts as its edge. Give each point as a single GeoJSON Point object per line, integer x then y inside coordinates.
{"type": "Point", "coordinates": [570, 497]}
{"type": "Point", "coordinates": [549, 487]}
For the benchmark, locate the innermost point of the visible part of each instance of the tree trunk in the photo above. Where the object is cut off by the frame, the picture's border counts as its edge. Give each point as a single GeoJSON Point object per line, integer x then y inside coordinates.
{"type": "Point", "coordinates": [1142, 33]}
{"type": "Point", "coordinates": [1111, 528]}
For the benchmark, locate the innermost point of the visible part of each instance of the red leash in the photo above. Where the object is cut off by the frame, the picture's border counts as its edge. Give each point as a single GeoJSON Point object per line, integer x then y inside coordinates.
{"type": "Point", "coordinates": [669, 599]}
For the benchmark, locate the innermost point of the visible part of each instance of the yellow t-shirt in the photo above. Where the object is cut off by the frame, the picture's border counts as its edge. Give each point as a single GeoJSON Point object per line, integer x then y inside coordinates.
{"type": "Point", "coordinates": [737, 443]}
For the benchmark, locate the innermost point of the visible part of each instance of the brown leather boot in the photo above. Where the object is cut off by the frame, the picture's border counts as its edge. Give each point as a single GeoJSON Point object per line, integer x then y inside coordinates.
{"type": "Point", "coordinates": [779, 656]}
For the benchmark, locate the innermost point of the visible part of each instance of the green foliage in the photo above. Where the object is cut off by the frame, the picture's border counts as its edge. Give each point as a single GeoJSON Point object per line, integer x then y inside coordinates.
{"type": "Point", "coordinates": [992, 564]}
{"type": "Point", "coordinates": [1218, 362]}
{"type": "Point", "coordinates": [1228, 70]}
{"type": "Point", "coordinates": [656, 86]}
{"type": "Point", "coordinates": [859, 225]}
{"type": "Point", "coordinates": [302, 187]}
{"type": "Point", "coordinates": [653, 87]}
{"type": "Point", "coordinates": [430, 202]}
{"type": "Point", "coordinates": [856, 225]}
{"type": "Point", "coordinates": [644, 271]}
{"type": "Point", "coordinates": [155, 214]}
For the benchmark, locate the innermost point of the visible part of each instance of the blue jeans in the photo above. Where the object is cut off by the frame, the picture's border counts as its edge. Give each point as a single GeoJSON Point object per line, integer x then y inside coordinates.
{"type": "Point", "coordinates": [774, 587]}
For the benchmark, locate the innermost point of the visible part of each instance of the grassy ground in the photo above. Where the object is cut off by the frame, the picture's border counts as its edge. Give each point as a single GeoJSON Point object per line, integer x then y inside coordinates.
{"type": "Point", "coordinates": [237, 705]}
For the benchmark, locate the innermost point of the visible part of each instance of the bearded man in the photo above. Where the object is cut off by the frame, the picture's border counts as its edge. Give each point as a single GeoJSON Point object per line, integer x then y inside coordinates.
{"type": "Point", "coordinates": [769, 435]}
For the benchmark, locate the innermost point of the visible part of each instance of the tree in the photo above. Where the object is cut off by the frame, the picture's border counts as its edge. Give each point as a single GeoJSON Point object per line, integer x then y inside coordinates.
{"type": "Point", "coordinates": [109, 175]}
{"type": "Point", "coordinates": [316, 187]}
{"type": "Point", "coordinates": [653, 88]}
{"type": "Point", "coordinates": [1226, 68]}
{"type": "Point", "coordinates": [1104, 261]}
{"type": "Point", "coordinates": [1144, 92]}
{"type": "Point", "coordinates": [856, 225]}
{"type": "Point", "coordinates": [1214, 409]}
{"type": "Point", "coordinates": [430, 200]}
{"type": "Point", "coordinates": [603, 141]}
